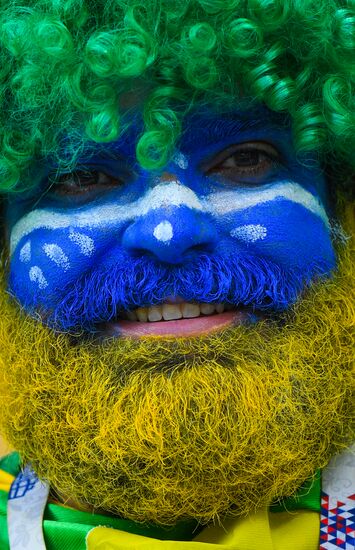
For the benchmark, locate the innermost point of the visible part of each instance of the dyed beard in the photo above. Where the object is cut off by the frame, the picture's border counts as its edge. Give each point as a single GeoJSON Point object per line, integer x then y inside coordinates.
{"type": "Point", "coordinates": [161, 430]}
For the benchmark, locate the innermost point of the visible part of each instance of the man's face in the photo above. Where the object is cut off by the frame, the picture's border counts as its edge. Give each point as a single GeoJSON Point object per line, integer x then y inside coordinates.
{"type": "Point", "coordinates": [243, 395]}
{"type": "Point", "coordinates": [234, 221]}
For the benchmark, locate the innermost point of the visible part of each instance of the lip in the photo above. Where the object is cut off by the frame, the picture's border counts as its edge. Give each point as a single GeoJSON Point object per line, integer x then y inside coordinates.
{"type": "Point", "coordinates": [180, 328]}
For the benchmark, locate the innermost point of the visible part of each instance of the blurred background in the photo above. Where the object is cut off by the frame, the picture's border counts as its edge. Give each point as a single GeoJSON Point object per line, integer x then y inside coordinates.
{"type": "Point", "coordinates": [4, 447]}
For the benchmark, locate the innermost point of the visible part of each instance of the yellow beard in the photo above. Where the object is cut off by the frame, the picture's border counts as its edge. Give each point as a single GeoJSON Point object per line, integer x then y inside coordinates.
{"type": "Point", "coordinates": [160, 430]}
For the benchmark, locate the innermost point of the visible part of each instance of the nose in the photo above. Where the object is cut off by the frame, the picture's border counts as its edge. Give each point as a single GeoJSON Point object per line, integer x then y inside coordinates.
{"type": "Point", "coordinates": [170, 234]}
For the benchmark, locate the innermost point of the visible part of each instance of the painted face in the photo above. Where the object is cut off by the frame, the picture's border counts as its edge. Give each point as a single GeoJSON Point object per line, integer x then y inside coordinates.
{"type": "Point", "coordinates": [235, 221]}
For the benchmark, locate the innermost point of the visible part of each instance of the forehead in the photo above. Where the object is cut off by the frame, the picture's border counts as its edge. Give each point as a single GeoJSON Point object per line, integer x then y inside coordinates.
{"type": "Point", "coordinates": [247, 113]}
{"type": "Point", "coordinates": [205, 126]}
{"type": "Point", "coordinates": [206, 130]}
{"type": "Point", "coordinates": [201, 128]}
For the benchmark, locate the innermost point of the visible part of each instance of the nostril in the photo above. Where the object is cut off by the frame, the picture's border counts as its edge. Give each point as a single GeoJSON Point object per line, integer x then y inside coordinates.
{"type": "Point", "coordinates": [169, 236]}
{"type": "Point", "coordinates": [142, 253]}
{"type": "Point", "coordinates": [202, 248]}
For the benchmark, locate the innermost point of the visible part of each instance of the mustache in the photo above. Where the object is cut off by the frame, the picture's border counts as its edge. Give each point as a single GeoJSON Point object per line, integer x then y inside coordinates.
{"type": "Point", "coordinates": [105, 292]}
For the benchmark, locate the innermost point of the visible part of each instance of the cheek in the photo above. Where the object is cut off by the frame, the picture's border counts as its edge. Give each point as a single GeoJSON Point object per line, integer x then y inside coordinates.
{"type": "Point", "coordinates": [47, 260]}
{"type": "Point", "coordinates": [285, 233]}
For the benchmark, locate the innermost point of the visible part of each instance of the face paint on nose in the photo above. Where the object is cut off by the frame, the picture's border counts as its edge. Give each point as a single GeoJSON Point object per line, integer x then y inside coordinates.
{"type": "Point", "coordinates": [171, 234]}
{"type": "Point", "coordinates": [283, 222]}
{"type": "Point", "coordinates": [106, 215]}
{"type": "Point", "coordinates": [275, 220]}
{"type": "Point", "coordinates": [52, 248]}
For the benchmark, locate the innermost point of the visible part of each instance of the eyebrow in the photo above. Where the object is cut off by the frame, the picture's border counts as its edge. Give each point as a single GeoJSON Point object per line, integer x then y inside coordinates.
{"type": "Point", "coordinates": [108, 152]}
{"type": "Point", "coordinates": [214, 129]}
{"type": "Point", "coordinates": [211, 129]}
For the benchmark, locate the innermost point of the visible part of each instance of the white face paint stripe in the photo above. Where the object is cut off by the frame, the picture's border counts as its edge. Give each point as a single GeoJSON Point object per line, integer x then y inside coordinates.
{"type": "Point", "coordinates": [56, 254]}
{"type": "Point", "coordinates": [233, 201]}
{"type": "Point", "coordinates": [163, 195]}
{"type": "Point", "coordinates": [25, 252]}
{"type": "Point", "coordinates": [36, 276]}
{"type": "Point", "coordinates": [84, 242]}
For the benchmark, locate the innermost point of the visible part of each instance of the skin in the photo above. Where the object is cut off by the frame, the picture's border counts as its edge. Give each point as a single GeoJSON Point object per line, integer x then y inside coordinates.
{"type": "Point", "coordinates": [234, 186]}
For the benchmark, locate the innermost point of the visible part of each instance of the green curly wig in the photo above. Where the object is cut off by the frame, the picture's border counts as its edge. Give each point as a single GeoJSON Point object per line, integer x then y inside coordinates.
{"type": "Point", "coordinates": [67, 64]}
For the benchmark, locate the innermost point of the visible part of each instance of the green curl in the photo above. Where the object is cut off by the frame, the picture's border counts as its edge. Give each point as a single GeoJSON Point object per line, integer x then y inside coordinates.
{"type": "Point", "coordinates": [244, 38]}
{"type": "Point", "coordinates": [73, 72]}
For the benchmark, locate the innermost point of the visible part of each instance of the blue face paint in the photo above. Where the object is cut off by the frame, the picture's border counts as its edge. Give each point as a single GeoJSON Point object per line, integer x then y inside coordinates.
{"type": "Point", "coordinates": [201, 230]}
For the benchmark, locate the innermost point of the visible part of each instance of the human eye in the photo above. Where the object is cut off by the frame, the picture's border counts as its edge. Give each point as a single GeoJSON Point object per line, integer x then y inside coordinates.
{"type": "Point", "coordinates": [250, 162]}
{"type": "Point", "coordinates": [81, 183]}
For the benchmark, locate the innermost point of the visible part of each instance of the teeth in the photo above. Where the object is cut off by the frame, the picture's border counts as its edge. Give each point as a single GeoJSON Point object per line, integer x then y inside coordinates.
{"type": "Point", "coordinates": [170, 312]}
{"type": "Point", "coordinates": [207, 309]}
{"type": "Point", "coordinates": [190, 310]}
{"type": "Point", "coordinates": [142, 314]}
{"type": "Point", "coordinates": [131, 315]}
{"type": "Point", "coordinates": [155, 313]}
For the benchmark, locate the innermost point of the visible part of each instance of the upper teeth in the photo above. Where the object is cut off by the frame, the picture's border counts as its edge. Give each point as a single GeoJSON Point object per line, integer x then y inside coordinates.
{"type": "Point", "coordinates": [169, 312]}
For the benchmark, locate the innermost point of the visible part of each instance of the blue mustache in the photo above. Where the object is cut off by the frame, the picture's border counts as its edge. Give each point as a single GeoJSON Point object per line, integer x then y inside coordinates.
{"type": "Point", "coordinates": [103, 293]}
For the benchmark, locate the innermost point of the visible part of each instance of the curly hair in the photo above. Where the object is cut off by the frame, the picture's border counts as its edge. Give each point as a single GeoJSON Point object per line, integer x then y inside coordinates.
{"type": "Point", "coordinates": [66, 65]}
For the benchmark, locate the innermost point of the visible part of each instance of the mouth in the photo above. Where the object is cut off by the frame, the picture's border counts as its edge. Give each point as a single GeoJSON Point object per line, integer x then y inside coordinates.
{"type": "Point", "coordinates": [177, 318]}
